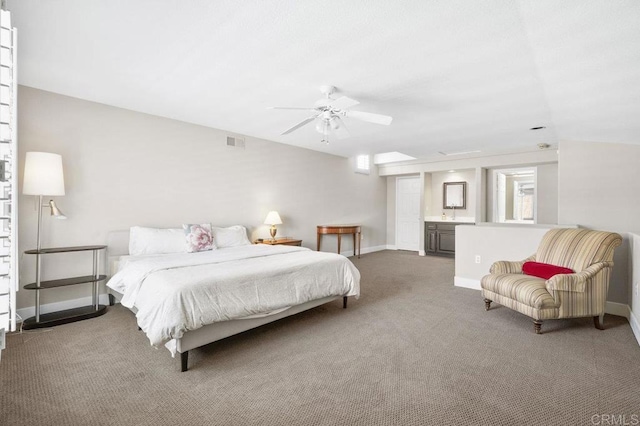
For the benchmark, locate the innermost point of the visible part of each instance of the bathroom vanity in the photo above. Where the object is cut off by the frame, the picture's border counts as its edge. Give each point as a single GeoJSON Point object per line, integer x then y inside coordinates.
{"type": "Point", "coordinates": [440, 237]}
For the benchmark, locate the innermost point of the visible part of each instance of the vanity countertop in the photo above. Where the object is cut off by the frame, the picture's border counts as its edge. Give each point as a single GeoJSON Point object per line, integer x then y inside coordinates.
{"type": "Point", "coordinates": [449, 220]}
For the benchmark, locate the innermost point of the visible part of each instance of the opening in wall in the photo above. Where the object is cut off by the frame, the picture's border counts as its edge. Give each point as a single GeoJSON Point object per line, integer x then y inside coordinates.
{"type": "Point", "coordinates": [515, 195]}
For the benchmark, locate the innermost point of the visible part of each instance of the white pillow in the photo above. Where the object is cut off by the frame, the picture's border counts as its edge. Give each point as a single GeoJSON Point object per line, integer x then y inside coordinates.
{"type": "Point", "coordinates": [232, 236]}
{"type": "Point", "coordinates": [155, 241]}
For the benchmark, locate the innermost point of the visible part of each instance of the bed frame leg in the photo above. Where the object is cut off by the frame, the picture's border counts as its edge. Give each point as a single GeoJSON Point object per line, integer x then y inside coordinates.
{"type": "Point", "coordinates": [112, 299]}
{"type": "Point", "coordinates": [344, 302]}
{"type": "Point", "coordinates": [184, 358]}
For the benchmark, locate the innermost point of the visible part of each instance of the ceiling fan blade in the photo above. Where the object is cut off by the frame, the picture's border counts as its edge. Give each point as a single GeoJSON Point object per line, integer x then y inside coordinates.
{"type": "Point", "coordinates": [341, 131]}
{"type": "Point", "coordinates": [343, 103]}
{"type": "Point", "coordinates": [297, 108]}
{"type": "Point", "coordinates": [302, 123]}
{"type": "Point", "coordinates": [370, 117]}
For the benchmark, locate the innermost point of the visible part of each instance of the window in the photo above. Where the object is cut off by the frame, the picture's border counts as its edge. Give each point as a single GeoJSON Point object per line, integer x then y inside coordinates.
{"type": "Point", "coordinates": [362, 164]}
{"type": "Point", "coordinates": [514, 197]}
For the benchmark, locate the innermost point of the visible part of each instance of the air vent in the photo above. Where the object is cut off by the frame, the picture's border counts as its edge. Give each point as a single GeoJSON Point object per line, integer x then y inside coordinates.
{"type": "Point", "coordinates": [235, 142]}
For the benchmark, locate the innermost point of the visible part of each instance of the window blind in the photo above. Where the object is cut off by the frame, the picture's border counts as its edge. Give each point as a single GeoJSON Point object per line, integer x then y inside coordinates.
{"type": "Point", "coordinates": [8, 174]}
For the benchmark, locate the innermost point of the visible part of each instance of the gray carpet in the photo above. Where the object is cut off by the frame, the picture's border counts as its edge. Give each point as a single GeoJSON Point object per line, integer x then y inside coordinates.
{"type": "Point", "coordinates": [413, 350]}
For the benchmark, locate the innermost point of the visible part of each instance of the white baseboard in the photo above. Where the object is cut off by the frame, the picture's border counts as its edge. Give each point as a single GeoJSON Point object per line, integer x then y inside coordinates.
{"type": "Point", "coordinates": [391, 247]}
{"type": "Point", "coordinates": [61, 306]}
{"type": "Point", "coordinates": [619, 309]}
{"type": "Point", "coordinates": [373, 249]}
{"type": "Point", "coordinates": [466, 283]}
{"type": "Point", "coordinates": [635, 325]}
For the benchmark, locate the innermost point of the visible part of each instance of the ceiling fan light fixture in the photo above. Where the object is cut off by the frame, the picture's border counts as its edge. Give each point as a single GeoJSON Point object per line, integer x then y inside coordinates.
{"type": "Point", "coordinates": [328, 113]}
{"type": "Point", "coordinates": [322, 126]}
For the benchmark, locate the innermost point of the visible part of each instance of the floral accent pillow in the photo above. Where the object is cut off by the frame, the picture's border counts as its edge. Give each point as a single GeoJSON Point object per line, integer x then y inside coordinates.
{"type": "Point", "coordinates": [199, 237]}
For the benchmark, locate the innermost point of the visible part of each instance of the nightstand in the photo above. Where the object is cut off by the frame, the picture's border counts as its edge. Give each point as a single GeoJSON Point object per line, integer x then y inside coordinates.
{"type": "Point", "coordinates": [280, 241]}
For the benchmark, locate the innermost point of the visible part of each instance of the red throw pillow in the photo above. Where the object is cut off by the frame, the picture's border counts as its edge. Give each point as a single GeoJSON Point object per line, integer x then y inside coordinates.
{"type": "Point", "coordinates": [544, 270]}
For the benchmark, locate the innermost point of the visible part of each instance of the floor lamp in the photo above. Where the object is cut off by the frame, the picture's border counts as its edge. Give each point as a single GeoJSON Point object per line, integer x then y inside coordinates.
{"type": "Point", "coordinates": [43, 175]}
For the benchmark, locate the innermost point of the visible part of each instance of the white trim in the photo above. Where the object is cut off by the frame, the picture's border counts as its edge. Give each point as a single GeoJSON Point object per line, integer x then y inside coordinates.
{"type": "Point", "coordinates": [619, 309]}
{"type": "Point", "coordinates": [635, 325]}
{"type": "Point", "coordinates": [366, 250]}
{"type": "Point", "coordinates": [391, 247]}
{"type": "Point", "coordinates": [61, 306]}
{"type": "Point", "coordinates": [422, 253]}
{"type": "Point", "coordinates": [466, 283]}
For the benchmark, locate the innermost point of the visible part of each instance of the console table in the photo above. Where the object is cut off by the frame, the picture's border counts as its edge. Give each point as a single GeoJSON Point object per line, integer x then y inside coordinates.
{"type": "Point", "coordinates": [69, 315]}
{"type": "Point", "coordinates": [340, 230]}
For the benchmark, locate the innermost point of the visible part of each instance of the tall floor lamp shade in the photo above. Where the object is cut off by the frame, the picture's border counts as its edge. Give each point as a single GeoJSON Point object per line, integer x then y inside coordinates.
{"type": "Point", "coordinates": [43, 175]}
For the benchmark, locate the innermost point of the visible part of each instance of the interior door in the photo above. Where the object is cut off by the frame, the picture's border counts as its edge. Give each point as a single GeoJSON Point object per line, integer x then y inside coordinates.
{"type": "Point", "coordinates": [408, 213]}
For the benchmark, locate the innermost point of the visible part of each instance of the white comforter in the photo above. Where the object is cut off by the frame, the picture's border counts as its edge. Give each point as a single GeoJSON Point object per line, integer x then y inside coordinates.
{"type": "Point", "coordinates": [174, 293]}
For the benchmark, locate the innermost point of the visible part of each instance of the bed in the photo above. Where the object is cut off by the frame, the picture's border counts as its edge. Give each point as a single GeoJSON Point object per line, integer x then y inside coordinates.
{"type": "Point", "coordinates": [186, 300]}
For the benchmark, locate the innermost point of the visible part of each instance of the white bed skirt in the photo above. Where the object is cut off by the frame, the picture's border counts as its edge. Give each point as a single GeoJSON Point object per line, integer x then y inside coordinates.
{"type": "Point", "coordinates": [220, 330]}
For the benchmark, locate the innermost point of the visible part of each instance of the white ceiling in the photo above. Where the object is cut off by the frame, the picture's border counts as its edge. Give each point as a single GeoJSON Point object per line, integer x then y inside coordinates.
{"type": "Point", "coordinates": [456, 75]}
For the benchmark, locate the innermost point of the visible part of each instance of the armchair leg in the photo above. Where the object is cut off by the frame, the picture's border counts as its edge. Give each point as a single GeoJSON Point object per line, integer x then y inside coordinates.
{"type": "Point", "coordinates": [537, 326]}
{"type": "Point", "coordinates": [598, 321]}
{"type": "Point", "coordinates": [487, 304]}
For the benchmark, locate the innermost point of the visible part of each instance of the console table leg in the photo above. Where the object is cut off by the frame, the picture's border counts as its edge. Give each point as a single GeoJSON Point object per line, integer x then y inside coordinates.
{"type": "Point", "coordinates": [354, 244]}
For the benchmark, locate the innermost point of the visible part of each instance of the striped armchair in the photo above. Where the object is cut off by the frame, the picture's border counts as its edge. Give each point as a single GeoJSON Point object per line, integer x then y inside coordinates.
{"type": "Point", "coordinates": [580, 294]}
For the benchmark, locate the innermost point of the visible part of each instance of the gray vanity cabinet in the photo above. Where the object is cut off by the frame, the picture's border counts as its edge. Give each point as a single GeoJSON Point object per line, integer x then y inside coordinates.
{"type": "Point", "coordinates": [440, 238]}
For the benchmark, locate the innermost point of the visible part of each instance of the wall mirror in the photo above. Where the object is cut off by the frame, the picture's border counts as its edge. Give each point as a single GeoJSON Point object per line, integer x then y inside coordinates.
{"type": "Point", "coordinates": [454, 195]}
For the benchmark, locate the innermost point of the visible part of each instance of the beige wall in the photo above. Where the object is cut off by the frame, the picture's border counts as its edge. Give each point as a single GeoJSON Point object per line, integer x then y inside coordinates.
{"type": "Point", "coordinates": [124, 168]}
{"type": "Point", "coordinates": [391, 211]}
{"type": "Point", "coordinates": [599, 184]}
{"type": "Point", "coordinates": [547, 193]}
{"type": "Point", "coordinates": [436, 189]}
{"type": "Point", "coordinates": [492, 242]}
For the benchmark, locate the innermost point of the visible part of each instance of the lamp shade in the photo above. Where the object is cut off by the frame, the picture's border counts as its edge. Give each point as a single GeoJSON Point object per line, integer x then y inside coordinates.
{"type": "Point", "coordinates": [273, 218]}
{"type": "Point", "coordinates": [43, 174]}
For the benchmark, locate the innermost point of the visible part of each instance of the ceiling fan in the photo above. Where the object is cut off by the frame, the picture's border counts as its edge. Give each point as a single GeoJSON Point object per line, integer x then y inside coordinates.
{"type": "Point", "coordinates": [327, 113]}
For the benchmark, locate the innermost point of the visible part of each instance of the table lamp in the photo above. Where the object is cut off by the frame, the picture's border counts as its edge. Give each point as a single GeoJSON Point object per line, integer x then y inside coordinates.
{"type": "Point", "coordinates": [273, 219]}
{"type": "Point", "coordinates": [43, 175]}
